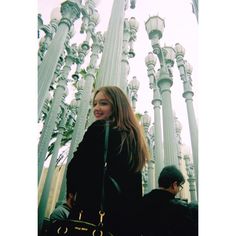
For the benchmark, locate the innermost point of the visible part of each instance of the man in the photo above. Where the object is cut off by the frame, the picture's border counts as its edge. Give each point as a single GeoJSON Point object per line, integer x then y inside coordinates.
{"type": "Point", "coordinates": [62, 211]}
{"type": "Point", "coordinates": [161, 214]}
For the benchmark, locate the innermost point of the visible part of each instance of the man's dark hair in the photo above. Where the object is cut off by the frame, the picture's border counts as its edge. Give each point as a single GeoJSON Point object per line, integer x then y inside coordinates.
{"type": "Point", "coordinates": [169, 175]}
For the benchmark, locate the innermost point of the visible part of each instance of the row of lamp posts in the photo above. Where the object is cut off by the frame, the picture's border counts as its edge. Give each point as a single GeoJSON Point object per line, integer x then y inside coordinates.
{"type": "Point", "coordinates": [160, 82]}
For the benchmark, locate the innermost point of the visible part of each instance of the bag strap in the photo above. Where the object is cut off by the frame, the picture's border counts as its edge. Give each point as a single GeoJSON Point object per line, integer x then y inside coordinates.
{"type": "Point", "coordinates": [101, 212]}
{"type": "Point", "coordinates": [107, 127]}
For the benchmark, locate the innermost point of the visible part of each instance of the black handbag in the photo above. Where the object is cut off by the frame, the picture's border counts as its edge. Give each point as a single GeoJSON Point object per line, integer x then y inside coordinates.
{"type": "Point", "coordinates": [77, 227]}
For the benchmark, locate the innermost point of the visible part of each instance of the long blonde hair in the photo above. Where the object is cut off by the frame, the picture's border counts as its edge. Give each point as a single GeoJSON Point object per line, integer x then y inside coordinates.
{"type": "Point", "coordinates": [125, 120]}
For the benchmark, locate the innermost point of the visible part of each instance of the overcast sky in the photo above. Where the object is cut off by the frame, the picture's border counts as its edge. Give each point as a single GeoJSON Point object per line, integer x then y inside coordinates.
{"type": "Point", "coordinates": [180, 27]}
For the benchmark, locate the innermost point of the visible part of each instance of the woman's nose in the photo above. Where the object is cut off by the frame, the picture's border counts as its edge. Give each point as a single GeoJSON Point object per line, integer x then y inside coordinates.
{"type": "Point", "coordinates": [96, 107]}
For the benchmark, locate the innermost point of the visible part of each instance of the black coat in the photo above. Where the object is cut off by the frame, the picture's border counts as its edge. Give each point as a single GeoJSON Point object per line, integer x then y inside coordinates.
{"type": "Point", "coordinates": [84, 175]}
{"type": "Point", "coordinates": [160, 214]}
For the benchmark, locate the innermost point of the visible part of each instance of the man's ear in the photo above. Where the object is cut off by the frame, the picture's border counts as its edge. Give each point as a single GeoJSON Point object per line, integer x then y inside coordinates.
{"type": "Point", "coordinates": [174, 184]}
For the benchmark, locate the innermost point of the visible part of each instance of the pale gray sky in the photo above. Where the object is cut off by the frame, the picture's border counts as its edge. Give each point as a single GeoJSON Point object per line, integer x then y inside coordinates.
{"type": "Point", "coordinates": [180, 27]}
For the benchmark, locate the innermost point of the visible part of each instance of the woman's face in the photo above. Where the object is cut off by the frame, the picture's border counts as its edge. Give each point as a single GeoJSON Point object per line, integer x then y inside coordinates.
{"type": "Point", "coordinates": [102, 108]}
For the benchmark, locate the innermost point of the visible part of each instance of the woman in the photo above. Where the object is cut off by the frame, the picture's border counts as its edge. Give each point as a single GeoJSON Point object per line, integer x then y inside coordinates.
{"type": "Point", "coordinates": [127, 155]}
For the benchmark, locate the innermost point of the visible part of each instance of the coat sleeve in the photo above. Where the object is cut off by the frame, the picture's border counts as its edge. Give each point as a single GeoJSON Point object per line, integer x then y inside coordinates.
{"type": "Point", "coordinates": [87, 159]}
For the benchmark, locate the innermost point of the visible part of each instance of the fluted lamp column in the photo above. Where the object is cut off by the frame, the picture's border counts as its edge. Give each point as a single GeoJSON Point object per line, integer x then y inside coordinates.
{"type": "Point", "coordinates": [47, 185]}
{"type": "Point", "coordinates": [150, 62]}
{"type": "Point", "coordinates": [178, 128]}
{"type": "Point", "coordinates": [154, 27]}
{"type": "Point", "coordinates": [58, 96]}
{"type": "Point", "coordinates": [185, 70]}
{"type": "Point", "coordinates": [83, 109]}
{"type": "Point", "coordinates": [70, 11]}
{"type": "Point", "coordinates": [191, 178]}
{"type": "Point", "coordinates": [146, 121]}
{"type": "Point", "coordinates": [80, 87]}
{"type": "Point", "coordinates": [110, 67]}
{"type": "Point", "coordinates": [134, 25]}
{"type": "Point", "coordinates": [124, 61]}
{"type": "Point", "coordinates": [49, 31]}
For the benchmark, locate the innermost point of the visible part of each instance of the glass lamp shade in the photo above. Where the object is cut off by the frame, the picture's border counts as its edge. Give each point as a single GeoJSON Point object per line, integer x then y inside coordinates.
{"type": "Point", "coordinates": [49, 97]}
{"type": "Point", "coordinates": [188, 67]}
{"type": "Point", "coordinates": [178, 126]}
{"type": "Point", "coordinates": [146, 119]}
{"type": "Point", "coordinates": [133, 23]}
{"type": "Point", "coordinates": [56, 14]}
{"type": "Point", "coordinates": [151, 131]}
{"type": "Point", "coordinates": [154, 27]}
{"type": "Point", "coordinates": [179, 49]}
{"type": "Point", "coordinates": [150, 59]}
{"type": "Point", "coordinates": [134, 84]}
{"type": "Point", "coordinates": [95, 17]}
{"type": "Point", "coordinates": [169, 55]}
{"type": "Point", "coordinates": [186, 151]}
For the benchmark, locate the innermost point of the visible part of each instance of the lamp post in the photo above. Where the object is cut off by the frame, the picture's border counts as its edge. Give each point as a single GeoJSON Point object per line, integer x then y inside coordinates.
{"type": "Point", "coordinates": [124, 61]}
{"type": "Point", "coordinates": [134, 25]}
{"type": "Point", "coordinates": [83, 109]}
{"type": "Point", "coordinates": [178, 129]}
{"type": "Point", "coordinates": [110, 67]}
{"type": "Point", "coordinates": [154, 27]}
{"type": "Point", "coordinates": [133, 88]}
{"type": "Point", "coordinates": [150, 62]}
{"type": "Point", "coordinates": [55, 107]}
{"type": "Point", "coordinates": [82, 52]}
{"type": "Point", "coordinates": [47, 185]}
{"type": "Point", "coordinates": [146, 121]}
{"type": "Point", "coordinates": [185, 70]}
{"type": "Point", "coordinates": [191, 178]}
{"type": "Point", "coordinates": [80, 87]}
{"type": "Point", "coordinates": [130, 30]}
{"type": "Point", "coordinates": [49, 31]}
{"type": "Point", "coordinates": [70, 11]}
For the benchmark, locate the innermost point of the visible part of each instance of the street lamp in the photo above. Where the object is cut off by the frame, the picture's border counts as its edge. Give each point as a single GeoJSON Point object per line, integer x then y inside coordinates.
{"type": "Point", "coordinates": [150, 168]}
{"type": "Point", "coordinates": [82, 113]}
{"type": "Point", "coordinates": [49, 31]}
{"type": "Point", "coordinates": [150, 62]}
{"type": "Point", "coordinates": [92, 22]}
{"type": "Point", "coordinates": [149, 171]}
{"type": "Point", "coordinates": [59, 95]}
{"type": "Point", "coordinates": [129, 36]}
{"type": "Point", "coordinates": [191, 178]}
{"type": "Point", "coordinates": [134, 25]}
{"type": "Point", "coordinates": [80, 87]}
{"type": "Point", "coordinates": [110, 67]}
{"type": "Point", "coordinates": [146, 121]}
{"type": "Point", "coordinates": [154, 27]}
{"type": "Point", "coordinates": [185, 70]}
{"type": "Point", "coordinates": [70, 11]}
{"type": "Point", "coordinates": [82, 52]}
{"type": "Point", "coordinates": [51, 169]}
